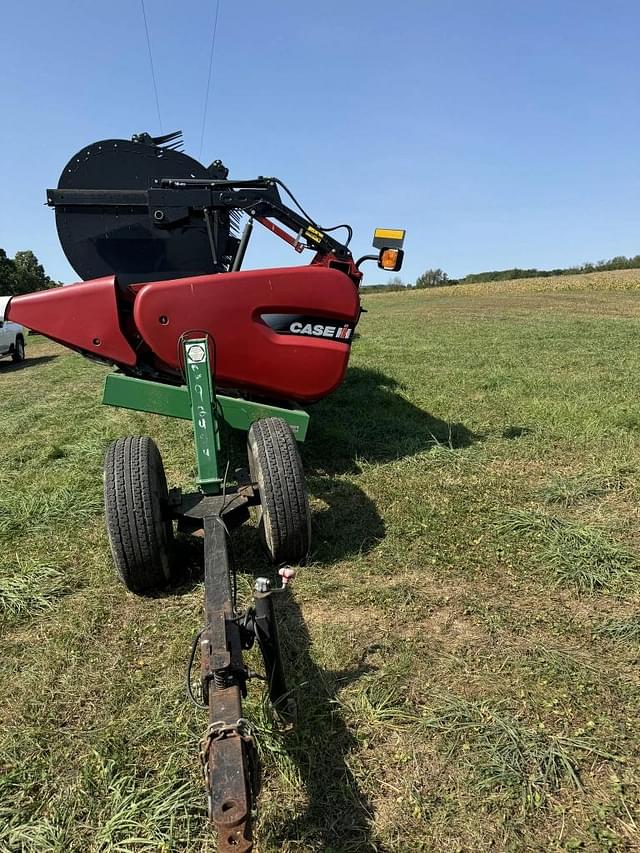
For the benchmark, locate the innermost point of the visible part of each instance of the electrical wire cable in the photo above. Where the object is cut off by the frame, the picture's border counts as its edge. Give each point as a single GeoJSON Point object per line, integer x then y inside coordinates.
{"type": "Point", "coordinates": [192, 656]}
{"type": "Point", "coordinates": [206, 97]}
{"type": "Point", "coordinates": [153, 73]}
{"type": "Point", "coordinates": [310, 218]}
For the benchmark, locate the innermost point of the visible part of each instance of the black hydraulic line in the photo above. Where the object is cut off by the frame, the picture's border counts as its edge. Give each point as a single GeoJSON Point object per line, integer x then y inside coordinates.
{"type": "Point", "coordinates": [349, 229]}
{"type": "Point", "coordinates": [192, 656]}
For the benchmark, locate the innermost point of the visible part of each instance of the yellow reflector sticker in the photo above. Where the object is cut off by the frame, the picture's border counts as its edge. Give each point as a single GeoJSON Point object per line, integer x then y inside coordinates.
{"type": "Point", "coordinates": [389, 233]}
{"type": "Point", "coordinates": [314, 234]}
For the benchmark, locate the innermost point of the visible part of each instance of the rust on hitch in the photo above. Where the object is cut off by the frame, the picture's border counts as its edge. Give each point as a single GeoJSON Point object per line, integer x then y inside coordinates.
{"type": "Point", "coordinates": [226, 752]}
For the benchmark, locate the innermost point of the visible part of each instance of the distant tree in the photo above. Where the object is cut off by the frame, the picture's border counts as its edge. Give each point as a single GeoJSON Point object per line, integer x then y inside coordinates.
{"type": "Point", "coordinates": [620, 262]}
{"type": "Point", "coordinates": [438, 278]}
{"type": "Point", "coordinates": [29, 273]}
{"type": "Point", "coordinates": [432, 278]}
{"type": "Point", "coordinates": [22, 274]}
{"type": "Point", "coordinates": [7, 275]}
{"type": "Point", "coordinates": [396, 283]}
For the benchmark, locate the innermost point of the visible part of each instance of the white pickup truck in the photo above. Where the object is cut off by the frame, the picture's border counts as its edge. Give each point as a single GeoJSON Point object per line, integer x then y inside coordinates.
{"type": "Point", "coordinates": [12, 337]}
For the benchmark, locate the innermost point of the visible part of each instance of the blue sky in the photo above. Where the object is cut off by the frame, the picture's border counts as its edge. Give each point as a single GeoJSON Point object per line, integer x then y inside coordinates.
{"type": "Point", "coordinates": [499, 133]}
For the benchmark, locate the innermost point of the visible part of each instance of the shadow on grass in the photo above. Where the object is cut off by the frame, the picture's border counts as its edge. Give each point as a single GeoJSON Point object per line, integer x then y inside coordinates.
{"type": "Point", "coordinates": [366, 418]}
{"type": "Point", "coordinates": [348, 524]}
{"type": "Point", "coordinates": [11, 366]}
{"type": "Point", "coordinates": [338, 815]}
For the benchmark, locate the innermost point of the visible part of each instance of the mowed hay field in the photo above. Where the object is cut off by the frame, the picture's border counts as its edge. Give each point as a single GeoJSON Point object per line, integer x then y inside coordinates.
{"type": "Point", "coordinates": [464, 642]}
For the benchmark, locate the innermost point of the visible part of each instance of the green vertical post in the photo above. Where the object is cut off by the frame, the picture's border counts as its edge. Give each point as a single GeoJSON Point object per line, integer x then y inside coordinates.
{"type": "Point", "coordinates": [206, 430]}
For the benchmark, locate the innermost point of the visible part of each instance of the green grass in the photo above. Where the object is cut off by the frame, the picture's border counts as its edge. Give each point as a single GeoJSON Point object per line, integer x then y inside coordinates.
{"type": "Point", "coordinates": [27, 588]}
{"type": "Point", "coordinates": [501, 754]}
{"type": "Point", "coordinates": [570, 491]}
{"type": "Point", "coordinates": [580, 554]}
{"type": "Point", "coordinates": [463, 644]}
{"type": "Point", "coordinates": [625, 629]}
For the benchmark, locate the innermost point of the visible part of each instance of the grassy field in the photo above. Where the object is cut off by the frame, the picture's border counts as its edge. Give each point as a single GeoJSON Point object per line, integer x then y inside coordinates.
{"type": "Point", "coordinates": [465, 641]}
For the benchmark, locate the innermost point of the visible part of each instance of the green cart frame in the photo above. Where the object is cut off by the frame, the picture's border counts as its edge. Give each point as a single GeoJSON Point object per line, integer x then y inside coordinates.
{"type": "Point", "coordinates": [141, 512]}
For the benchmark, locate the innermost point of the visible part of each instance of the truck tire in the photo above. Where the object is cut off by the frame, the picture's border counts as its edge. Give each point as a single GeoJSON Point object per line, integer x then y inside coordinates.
{"type": "Point", "coordinates": [18, 350]}
{"type": "Point", "coordinates": [139, 526]}
{"type": "Point", "coordinates": [275, 464]}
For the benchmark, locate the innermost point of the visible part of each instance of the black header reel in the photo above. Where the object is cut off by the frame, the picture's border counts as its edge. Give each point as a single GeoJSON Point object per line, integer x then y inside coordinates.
{"type": "Point", "coordinates": [114, 236]}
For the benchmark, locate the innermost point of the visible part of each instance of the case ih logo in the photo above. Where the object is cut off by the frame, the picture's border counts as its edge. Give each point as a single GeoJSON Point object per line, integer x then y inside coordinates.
{"type": "Point", "coordinates": [309, 327]}
{"type": "Point", "coordinates": [319, 330]}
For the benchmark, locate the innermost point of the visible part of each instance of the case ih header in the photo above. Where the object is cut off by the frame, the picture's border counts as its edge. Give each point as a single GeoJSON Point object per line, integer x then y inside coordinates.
{"type": "Point", "coordinates": [155, 236]}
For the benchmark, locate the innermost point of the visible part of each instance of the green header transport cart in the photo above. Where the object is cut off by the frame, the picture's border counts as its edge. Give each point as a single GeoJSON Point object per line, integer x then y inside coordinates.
{"type": "Point", "coordinates": [159, 240]}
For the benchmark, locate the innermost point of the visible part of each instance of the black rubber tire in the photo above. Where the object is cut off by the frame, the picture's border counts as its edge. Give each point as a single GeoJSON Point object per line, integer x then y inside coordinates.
{"type": "Point", "coordinates": [138, 525]}
{"type": "Point", "coordinates": [18, 351]}
{"type": "Point", "coordinates": [284, 516]}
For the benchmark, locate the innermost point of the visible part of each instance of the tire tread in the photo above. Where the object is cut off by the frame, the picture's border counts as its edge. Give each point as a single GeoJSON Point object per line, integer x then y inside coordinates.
{"type": "Point", "coordinates": [285, 505]}
{"type": "Point", "coordinates": [138, 536]}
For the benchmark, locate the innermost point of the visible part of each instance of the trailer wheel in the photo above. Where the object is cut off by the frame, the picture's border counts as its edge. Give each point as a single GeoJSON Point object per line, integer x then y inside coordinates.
{"type": "Point", "coordinates": [275, 464]}
{"type": "Point", "coordinates": [139, 527]}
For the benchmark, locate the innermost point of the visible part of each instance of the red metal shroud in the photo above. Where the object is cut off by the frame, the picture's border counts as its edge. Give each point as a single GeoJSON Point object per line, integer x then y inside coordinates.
{"type": "Point", "coordinates": [248, 353]}
{"type": "Point", "coordinates": [82, 316]}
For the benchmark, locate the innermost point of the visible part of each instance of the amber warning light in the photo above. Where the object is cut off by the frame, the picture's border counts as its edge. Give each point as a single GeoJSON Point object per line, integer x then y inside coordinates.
{"type": "Point", "coordinates": [390, 242]}
{"type": "Point", "coordinates": [390, 259]}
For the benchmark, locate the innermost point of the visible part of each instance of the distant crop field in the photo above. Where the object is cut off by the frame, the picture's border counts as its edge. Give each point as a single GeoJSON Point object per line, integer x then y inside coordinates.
{"type": "Point", "coordinates": [618, 280]}
{"type": "Point", "coordinates": [464, 641]}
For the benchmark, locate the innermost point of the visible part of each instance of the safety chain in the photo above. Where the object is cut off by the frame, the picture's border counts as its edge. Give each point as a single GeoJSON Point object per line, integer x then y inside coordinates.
{"type": "Point", "coordinates": [219, 731]}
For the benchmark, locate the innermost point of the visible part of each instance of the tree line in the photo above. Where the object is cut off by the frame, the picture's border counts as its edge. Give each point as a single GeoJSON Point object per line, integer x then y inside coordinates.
{"type": "Point", "coordinates": [620, 262]}
{"type": "Point", "coordinates": [439, 278]}
{"type": "Point", "coordinates": [22, 274]}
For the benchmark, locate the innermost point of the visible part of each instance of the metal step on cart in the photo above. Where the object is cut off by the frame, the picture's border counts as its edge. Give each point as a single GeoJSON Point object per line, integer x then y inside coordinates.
{"type": "Point", "coordinates": [141, 512]}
